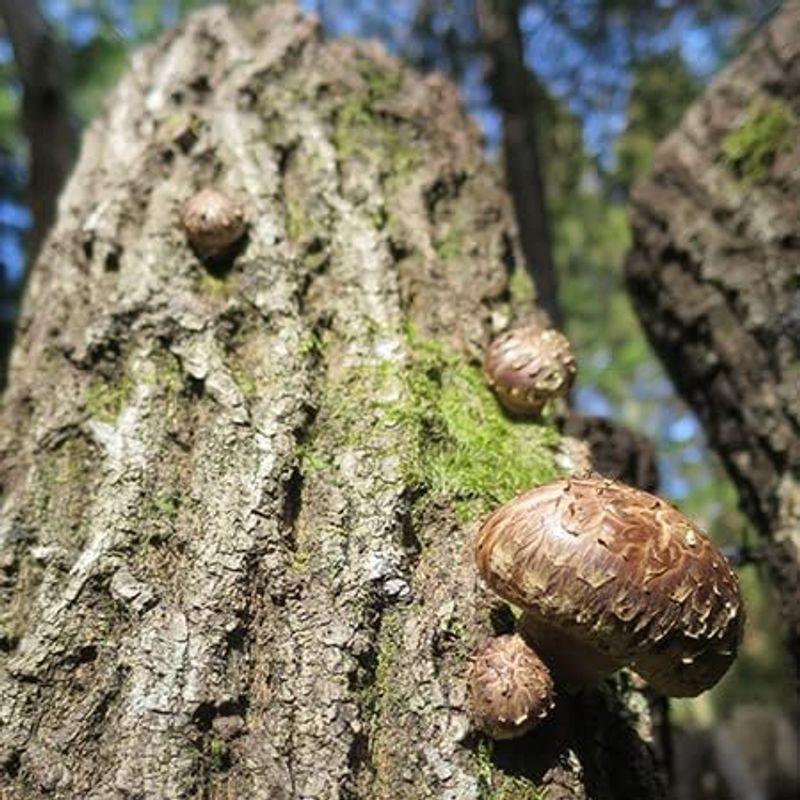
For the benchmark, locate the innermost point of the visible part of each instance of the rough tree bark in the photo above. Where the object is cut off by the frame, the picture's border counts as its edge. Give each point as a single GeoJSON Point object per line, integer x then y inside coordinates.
{"type": "Point", "coordinates": [516, 93]}
{"type": "Point", "coordinates": [715, 278]}
{"type": "Point", "coordinates": [220, 575]}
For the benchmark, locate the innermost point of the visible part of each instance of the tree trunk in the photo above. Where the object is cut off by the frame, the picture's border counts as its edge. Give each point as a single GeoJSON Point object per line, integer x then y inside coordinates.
{"type": "Point", "coordinates": [715, 278]}
{"type": "Point", "coordinates": [226, 569]}
{"type": "Point", "coordinates": [516, 94]}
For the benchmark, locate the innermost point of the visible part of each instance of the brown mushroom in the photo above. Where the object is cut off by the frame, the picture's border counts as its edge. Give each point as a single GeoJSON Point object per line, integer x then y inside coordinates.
{"type": "Point", "coordinates": [510, 688]}
{"type": "Point", "coordinates": [611, 576]}
{"type": "Point", "coordinates": [213, 222]}
{"type": "Point", "coordinates": [528, 366]}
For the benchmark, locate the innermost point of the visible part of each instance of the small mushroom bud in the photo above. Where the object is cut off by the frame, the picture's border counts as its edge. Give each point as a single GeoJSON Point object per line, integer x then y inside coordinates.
{"type": "Point", "coordinates": [528, 366]}
{"type": "Point", "coordinates": [510, 688]}
{"type": "Point", "coordinates": [213, 222]}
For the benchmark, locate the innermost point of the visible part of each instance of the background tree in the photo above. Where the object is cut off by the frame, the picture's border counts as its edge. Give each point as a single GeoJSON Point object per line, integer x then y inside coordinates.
{"type": "Point", "coordinates": [45, 119]}
{"type": "Point", "coordinates": [717, 285]}
{"type": "Point", "coordinates": [50, 138]}
{"type": "Point", "coordinates": [516, 94]}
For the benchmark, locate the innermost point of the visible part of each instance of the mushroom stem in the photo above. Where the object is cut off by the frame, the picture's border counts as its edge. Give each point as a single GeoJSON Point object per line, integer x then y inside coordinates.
{"type": "Point", "coordinates": [572, 662]}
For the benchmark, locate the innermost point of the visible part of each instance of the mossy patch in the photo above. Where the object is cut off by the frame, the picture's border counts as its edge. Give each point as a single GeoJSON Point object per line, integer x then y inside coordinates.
{"type": "Point", "coordinates": [458, 443]}
{"type": "Point", "coordinates": [166, 503]}
{"type": "Point", "coordinates": [244, 357]}
{"type": "Point", "coordinates": [380, 698]}
{"type": "Point", "coordinates": [448, 247]}
{"type": "Point", "coordinates": [63, 481]}
{"type": "Point", "coordinates": [379, 218]}
{"type": "Point", "coordinates": [105, 399]}
{"type": "Point", "coordinates": [218, 755]}
{"type": "Point", "coordinates": [521, 287]}
{"type": "Point", "coordinates": [493, 785]}
{"type": "Point", "coordinates": [308, 216]}
{"type": "Point", "coordinates": [165, 373]}
{"type": "Point", "coordinates": [182, 128]}
{"type": "Point", "coordinates": [360, 131]}
{"type": "Point", "coordinates": [380, 690]}
{"type": "Point", "coordinates": [466, 448]}
{"type": "Point", "coordinates": [218, 287]}
{"type": "Point", "coordinates": [245, 382]}
{"type": "Point", "coordinates": [312, 346]}
{"type": "Point", "coordinates": [751, 150]}
{"type": "Point", "coordinates": [298, 222]}
{"type": "Point", "coordinates": [381, 83]}
{"type": "Point", "coordinates": [300, 563]}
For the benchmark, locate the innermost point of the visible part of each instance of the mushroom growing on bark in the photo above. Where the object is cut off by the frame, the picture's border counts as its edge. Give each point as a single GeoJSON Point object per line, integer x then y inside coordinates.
{"type": "Point", "coordinates": [510, 688]}
{"type": "Point", "coordinates": [528, 366]}
{"type": "Point", "coordinates": [213, 222]}
{"type": "Point", "coordinates": [610, 576]}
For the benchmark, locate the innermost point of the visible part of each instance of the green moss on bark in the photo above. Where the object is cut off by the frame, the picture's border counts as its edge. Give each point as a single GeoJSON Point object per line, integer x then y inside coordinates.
{"type": "Point", "coordinates": [244, 380]}
{"type": "Point", "coordinates": [382, 83]}
{"type": "Point", "coordinates": [750, 150]}
{"type": "Point", "coordinates": [493, 785]}
{"type": "Point", "coordinates": [105, 399]}
{"type": "Point", "coordinates": [521, 287]}
{"type": "Point", "coordinates": [220, 288]}
{"type": "Point", "coordinates": [465, 447]}
{"type": "Point", "coordinates": [448, 247]}
{"type": "Point", "coordinates": [166, 503]}
{"type": "Point", "coordinates": [298, 223]}
{"type": "Point", "coordinates": [459, 443]}
{"type": "Point", "coordinates": [61, 486]}
{"type": "Point", "coordinates": [380, 699]}
{"type": "Point", "coordinates": [218, 755]}
{"type": "Point", "coordinates": [361, 133]}
{"type": "Point", "coordinates": [362, 130]}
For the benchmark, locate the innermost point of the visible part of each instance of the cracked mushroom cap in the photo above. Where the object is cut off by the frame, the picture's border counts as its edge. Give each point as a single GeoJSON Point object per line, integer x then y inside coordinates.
{"type": "Point", "coordinates": [510, 688]}
{"type": "Point", "coordinates": [213, 222]}
{"type": "Point", "coordinates": [526, 367]}
{"type": "Point", "coordinates": [622, 574]}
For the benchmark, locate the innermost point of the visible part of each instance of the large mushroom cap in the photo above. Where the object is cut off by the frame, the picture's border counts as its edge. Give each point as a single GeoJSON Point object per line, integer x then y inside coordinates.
{"type": "Point", "coordinates": [528, 366]}
{"type": "Point", "coordinates": [620, 572]}
{"type": "Point", "coordinates": [510, 688]}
